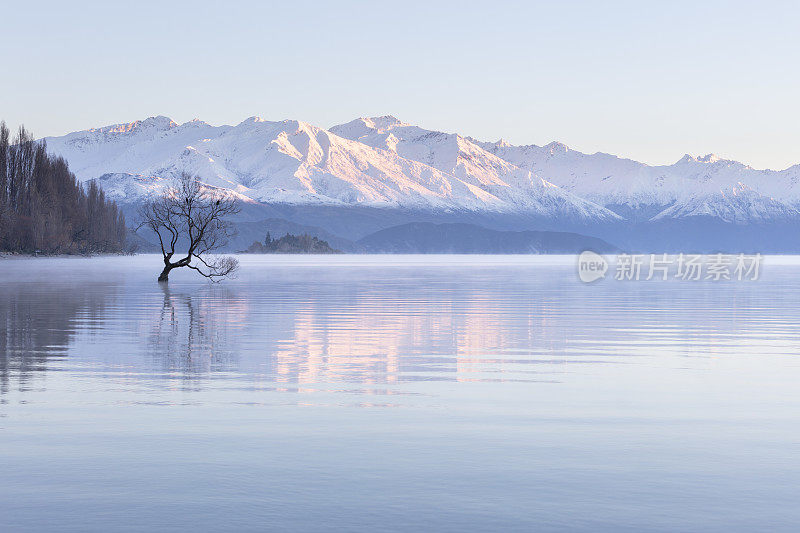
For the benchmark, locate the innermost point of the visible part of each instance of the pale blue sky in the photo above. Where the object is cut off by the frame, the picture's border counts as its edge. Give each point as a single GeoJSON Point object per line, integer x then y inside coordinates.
{"type": "Point", "coordinates": [646, 80]}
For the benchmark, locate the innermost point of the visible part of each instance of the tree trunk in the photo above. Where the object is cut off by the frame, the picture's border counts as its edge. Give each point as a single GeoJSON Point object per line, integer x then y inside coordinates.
{"type": "Point", "coordinates": [164, 277]}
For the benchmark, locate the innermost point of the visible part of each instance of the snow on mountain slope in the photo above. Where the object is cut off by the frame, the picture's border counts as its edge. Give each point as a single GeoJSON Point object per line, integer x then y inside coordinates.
{"type": "Point", "coordinates": [448, 152]}
{"type": "Point", "coordinates": [383, 162]}
{"type": "Point", "coordinates": [677, 190]}
{"type": "Point", "coordinates": [295, 162]}
{"type": "Point", "coordinates": [738, 205]}
{"type": "Point", "coordinates": [124, 148]}
{"type": "Point", "coordinates": [603, 178]}
{"type": "Point", "coordinates": [460, 157]}
{"type": "Point", "coordinates": [122, 187]}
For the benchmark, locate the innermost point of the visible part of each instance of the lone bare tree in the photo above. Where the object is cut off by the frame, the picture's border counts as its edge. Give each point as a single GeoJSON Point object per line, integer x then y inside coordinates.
{"type": "Point", "coordinates": [189, 215]}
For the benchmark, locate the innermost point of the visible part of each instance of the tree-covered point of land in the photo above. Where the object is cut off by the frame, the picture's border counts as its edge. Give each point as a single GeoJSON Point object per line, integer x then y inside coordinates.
{"type": "Point", "coordinates": [43, 207]}
{"type": "Point", "coordinates": [291, 244]}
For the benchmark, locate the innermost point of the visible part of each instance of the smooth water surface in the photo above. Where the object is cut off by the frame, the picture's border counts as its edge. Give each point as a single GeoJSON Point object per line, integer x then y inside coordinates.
{"type": "Point", "coordinates": [396, 393]}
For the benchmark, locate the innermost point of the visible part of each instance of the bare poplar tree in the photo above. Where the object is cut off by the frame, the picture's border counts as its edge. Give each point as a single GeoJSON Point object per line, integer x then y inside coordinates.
{"type": "Point", "coordinates": [44, 208]}
{"type": "Point", "coordinates": [191, 216]}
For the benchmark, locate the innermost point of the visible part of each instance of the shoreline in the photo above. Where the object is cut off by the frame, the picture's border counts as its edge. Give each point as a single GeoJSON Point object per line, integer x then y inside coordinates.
{"type": "Point", "coordinates": [14, 255]}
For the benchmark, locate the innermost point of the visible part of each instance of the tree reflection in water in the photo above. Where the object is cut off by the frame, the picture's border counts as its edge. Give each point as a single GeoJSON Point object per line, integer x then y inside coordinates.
{"type": "Point", "coordinates": [38, 324]}
{"type": "Point", "coordinates": [191, 334]}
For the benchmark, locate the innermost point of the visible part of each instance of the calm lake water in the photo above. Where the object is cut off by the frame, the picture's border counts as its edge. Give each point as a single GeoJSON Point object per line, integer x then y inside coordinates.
{"type": "Point", "coordinates": [444, 393]}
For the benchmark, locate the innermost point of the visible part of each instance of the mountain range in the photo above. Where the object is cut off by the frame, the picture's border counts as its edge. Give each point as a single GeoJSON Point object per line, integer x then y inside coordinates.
{"type": "Point", "coordinates": [372, 173]}
{"type": "Point", "coordinates": [460, 238]}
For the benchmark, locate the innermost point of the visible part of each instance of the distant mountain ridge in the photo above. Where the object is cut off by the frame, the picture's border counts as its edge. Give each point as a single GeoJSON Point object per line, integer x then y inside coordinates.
{"type": "Point", "coordinates": [372, 173]}
{"type": "Point", "coordinates": [693, 186]}
{"type": "Point", "coordinates": [459, 238]}
{"type": "Point", "coordinates": [293, 162]}
{"type": "Point", "coordinates": [382, 161]}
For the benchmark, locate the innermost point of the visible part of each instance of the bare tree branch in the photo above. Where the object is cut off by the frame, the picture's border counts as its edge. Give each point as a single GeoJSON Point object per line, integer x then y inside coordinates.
{"type": "Point", "coordinates": [196, 215]}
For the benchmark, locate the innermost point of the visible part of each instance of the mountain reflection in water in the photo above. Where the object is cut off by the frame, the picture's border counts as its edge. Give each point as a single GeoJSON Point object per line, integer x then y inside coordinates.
{"type": "Point", "coordinates": [396, 393]}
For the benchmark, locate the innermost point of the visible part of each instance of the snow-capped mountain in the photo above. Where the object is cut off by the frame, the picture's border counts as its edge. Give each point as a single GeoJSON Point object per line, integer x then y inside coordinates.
{"type": "Point", "coordinates": [704, 186]}
{"type": "Point", "coordinates": [728, 190]}
{"type": "Point", "coordinates": [385, 164]}
{"type": "Point", "coordinates": [293, 162]}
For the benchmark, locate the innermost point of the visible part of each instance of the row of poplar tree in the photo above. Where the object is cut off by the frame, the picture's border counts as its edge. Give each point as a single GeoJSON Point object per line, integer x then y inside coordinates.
{"type": "Point", "coordinates": [45, 209]}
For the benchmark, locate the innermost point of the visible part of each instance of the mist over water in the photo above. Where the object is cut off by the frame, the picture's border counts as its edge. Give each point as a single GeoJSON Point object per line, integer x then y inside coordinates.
{"type": "Point", "coordinates": [396, 393]}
